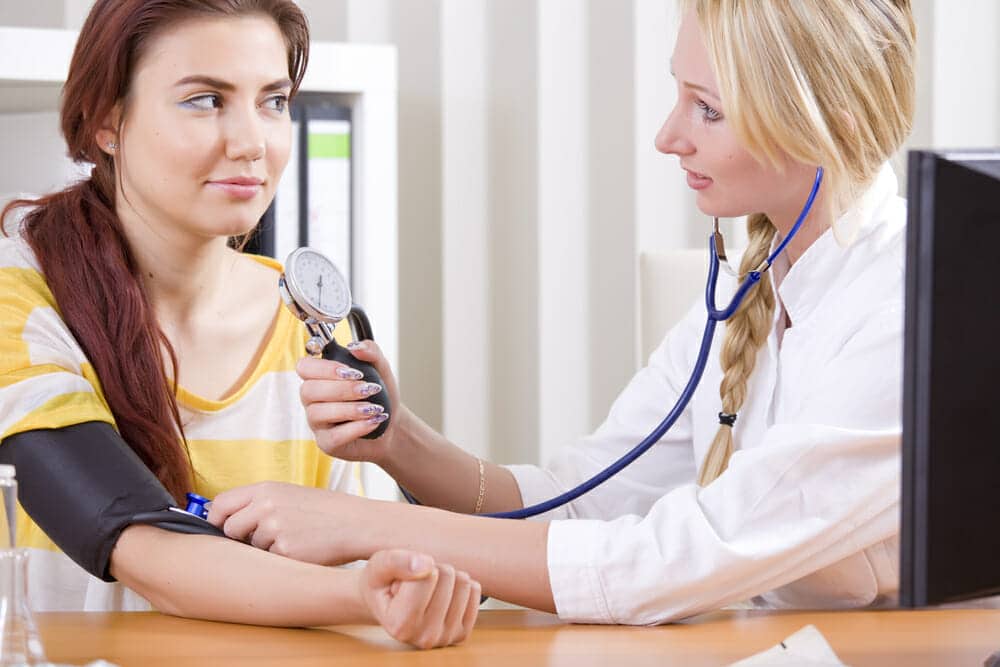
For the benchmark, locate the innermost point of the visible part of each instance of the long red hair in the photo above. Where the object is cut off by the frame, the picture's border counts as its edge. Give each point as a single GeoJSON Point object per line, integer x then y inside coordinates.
{"type": "Point", "coordinates": [78, 239]}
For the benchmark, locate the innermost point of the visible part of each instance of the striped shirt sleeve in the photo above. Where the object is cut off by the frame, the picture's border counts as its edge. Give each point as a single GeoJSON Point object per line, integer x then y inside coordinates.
{"type": "Point", "coordinates": [46, 381]}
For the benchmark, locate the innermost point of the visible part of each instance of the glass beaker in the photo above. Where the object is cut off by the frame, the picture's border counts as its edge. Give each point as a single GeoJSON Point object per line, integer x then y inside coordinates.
{"type": "Point", "coordinates": [19, 640]}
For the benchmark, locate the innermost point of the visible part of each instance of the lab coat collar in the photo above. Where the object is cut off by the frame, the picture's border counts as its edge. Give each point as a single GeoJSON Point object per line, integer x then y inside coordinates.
{"type": "Point", "coordinates": [862, 217]}
{"type": "Point", "coordinates": [819, 267]}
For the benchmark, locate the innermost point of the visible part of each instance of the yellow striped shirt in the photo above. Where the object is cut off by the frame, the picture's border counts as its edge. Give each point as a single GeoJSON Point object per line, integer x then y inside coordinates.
{"type": "Point", "coordinates": [258, 433]}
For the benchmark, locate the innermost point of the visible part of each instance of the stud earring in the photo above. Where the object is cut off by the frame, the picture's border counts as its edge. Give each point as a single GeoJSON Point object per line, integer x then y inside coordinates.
{"type": "Point", "coordinates": [112, 146]}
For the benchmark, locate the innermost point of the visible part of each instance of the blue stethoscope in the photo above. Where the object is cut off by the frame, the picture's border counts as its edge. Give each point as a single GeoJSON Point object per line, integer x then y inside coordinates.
{"type": "Point", "coordinates": [716, 252]}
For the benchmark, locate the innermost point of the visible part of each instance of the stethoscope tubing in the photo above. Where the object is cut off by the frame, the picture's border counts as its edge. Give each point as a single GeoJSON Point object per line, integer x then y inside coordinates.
{"type": "Point", "coordinates": [715, 315]}
{"type": "Point", "coordinates": [753, 277]}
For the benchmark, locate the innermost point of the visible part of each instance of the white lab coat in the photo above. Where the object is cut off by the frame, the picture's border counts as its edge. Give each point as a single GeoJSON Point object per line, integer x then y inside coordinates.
{"type": "Point", "coordinates": [807, 514]}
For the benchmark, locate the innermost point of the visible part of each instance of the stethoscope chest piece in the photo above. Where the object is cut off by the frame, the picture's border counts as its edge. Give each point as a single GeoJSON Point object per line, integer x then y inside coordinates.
{"type": "Point", "coordinates": [720, 251]}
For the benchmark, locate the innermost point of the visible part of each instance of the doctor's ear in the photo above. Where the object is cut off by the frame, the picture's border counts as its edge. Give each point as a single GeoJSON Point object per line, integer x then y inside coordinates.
{"type": "Point", "coordinates": [108, 137]}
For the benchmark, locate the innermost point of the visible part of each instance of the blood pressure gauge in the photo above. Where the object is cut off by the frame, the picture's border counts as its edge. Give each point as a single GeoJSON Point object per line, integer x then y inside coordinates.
{"type": "Point", "coordinates": [316, 292]}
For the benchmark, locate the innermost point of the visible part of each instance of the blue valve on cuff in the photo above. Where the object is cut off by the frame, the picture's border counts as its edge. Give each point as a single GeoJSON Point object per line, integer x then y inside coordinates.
{"type": "Point", "coordinates": [196, 505]}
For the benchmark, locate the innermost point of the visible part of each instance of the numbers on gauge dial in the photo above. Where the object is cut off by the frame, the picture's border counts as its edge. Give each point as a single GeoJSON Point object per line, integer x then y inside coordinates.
{"type": "Point", "coordinates": [322, 285]}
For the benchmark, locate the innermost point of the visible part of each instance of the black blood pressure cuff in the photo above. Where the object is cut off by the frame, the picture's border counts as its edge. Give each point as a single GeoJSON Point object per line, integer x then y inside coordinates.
{"type": "Point", "coordinates": [83, 486]}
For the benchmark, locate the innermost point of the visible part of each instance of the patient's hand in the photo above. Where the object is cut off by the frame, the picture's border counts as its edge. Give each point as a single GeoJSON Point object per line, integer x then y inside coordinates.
{"type": "Point", "coordinates": [418, 601]}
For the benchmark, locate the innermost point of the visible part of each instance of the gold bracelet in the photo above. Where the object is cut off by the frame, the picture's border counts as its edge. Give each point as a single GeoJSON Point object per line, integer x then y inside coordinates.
{"type": "Point", "coordinates": [482, 486]}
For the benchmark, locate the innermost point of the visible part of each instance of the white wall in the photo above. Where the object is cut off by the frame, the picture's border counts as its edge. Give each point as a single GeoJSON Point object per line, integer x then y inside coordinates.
{"type": "Point", "coordinates": [528, 184]}
{"type": "Point", "coordinates": [965, 106]}
{"type": "Point", "coordinates": [466, 336]}
{"type": "Point", "coordinates": [42, 165]}
{"type": "Point", "coordinates": [43, 14]}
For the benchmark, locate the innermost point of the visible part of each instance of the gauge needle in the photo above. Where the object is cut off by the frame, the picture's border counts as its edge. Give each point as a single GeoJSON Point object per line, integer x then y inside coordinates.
{"type": "Point", "coordinates": [319, 284]}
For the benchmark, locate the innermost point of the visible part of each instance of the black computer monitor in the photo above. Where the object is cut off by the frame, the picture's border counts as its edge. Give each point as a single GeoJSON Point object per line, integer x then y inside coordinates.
{"type": "Point", "coordinates": [950, 531]}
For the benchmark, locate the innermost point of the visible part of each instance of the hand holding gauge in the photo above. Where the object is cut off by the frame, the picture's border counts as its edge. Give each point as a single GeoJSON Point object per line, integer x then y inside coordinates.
{"type": "Point", "coordinates": [316, 292]}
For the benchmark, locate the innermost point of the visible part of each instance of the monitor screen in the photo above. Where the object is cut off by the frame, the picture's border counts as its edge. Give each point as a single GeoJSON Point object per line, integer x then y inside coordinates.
{"type": "Point", "coordinates": [950, 530]}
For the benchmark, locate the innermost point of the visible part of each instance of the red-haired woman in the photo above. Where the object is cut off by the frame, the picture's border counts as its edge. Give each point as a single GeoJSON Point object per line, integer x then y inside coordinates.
{"type": "Point", "coordinates": [142, 358]}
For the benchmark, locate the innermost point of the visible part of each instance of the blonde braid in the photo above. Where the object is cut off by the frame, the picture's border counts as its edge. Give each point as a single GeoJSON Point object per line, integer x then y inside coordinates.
{"type": "Point", "coordinates": [746, 332]}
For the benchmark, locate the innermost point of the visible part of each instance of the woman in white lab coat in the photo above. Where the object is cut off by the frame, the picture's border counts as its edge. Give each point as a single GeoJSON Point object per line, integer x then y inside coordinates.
{"type": "Point", "coordinates": [784, 493]}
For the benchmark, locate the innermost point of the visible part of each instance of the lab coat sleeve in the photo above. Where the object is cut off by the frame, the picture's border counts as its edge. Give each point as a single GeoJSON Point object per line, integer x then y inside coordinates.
{"type": "Point", "coordinates": [646, 400]}
{"type": "Point", "coordinates": [814, 492]}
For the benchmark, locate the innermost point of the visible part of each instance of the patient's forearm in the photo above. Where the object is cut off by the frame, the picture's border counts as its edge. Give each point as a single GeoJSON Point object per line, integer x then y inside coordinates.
{"type": "Point", "coordinates": [214, 578]}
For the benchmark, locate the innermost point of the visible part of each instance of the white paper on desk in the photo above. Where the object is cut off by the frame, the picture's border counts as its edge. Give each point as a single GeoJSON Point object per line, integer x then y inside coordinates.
{"type": "Point", "coordinates": [806, 648]}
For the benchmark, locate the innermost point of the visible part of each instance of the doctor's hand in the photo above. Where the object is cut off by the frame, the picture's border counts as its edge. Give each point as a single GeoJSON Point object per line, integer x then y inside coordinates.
{"type": "Point", "coordinates": [305, 523]}
{"type": "Point", "coordinates": [418, 601]}
{"type": "Point", "coordinates": [334, 397]}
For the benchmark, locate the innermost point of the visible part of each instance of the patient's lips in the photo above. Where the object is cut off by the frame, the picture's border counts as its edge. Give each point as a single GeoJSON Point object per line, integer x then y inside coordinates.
{"type": "Point", "coordinates": [238, 187]}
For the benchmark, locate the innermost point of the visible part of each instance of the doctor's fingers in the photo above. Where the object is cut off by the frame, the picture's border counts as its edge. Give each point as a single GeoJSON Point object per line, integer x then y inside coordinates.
{"type": "Point", "coordinates": [241, 524]}
{"type": "Point", "coordinates": [257, 524]}
{"type": "Point", "coordinates": [344, 441]}
{"type": "Point", "coordinates": [315, 368]}
{"type": "Point", "coordinates": [323, 415]}
{"type": "Point", "coordinates": [336, 391]}
{"type": "Point", "coordinates": [229, 502]}
{"type": "Point", "coordinates": [369, 350]}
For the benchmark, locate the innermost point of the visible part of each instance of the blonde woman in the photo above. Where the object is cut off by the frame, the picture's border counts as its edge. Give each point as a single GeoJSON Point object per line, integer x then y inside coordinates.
{"type": "Point", "coordinates": [779, 484]}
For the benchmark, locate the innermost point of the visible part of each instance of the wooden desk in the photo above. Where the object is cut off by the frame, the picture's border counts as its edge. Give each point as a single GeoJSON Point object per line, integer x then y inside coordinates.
{"type": "Point", "coordinates": [525, 639]}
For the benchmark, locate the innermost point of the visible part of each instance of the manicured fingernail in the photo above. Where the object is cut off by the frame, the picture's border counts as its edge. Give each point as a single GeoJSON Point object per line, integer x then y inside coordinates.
{"type": "Point", "coordinates": [371, 409]}
{"type": "Point", "coordinates": [378, 419]}
{"type": "Point", "coordinates": [354, 344]}
{"type": "Point", "coordinates": [349, 373]}
{"type": "Point", "coordinates": [420, 563]}
{"type": "Point", "coordinates": [368, 389]}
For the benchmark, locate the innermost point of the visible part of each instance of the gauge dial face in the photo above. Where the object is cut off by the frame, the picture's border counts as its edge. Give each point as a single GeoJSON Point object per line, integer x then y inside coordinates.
{"type": "Point", "coordinates": [317, 285]}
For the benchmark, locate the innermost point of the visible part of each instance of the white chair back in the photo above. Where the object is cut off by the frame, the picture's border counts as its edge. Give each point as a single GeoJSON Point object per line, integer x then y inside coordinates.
{"type": "Point", "coordinates": [669, 284]}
